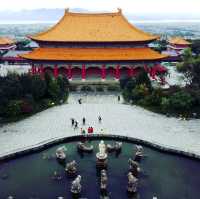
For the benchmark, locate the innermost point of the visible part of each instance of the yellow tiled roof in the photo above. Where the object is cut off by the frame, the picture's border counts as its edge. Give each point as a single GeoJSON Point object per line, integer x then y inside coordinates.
{"type": "Point", "coordinates": [90, 27]}
{"type": "Point", "coordinates": [93, 54]}
{"type": "Point", "coordinates": [179, 41]}
{"type": "Point", "coordinates": [6, 41]}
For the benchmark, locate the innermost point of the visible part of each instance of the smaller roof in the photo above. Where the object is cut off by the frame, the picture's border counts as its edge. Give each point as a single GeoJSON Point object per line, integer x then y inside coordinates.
{"type": "Point", "coordinates": [32, 44]}
{"type": "Point", "coordinates": [6, 41]}
{"type": "Point", "coordinates": [94, 54]}
{"type": "Point", "coordinates": [15, 53]}
{"type": "Point", "coordinates": [179, 41]}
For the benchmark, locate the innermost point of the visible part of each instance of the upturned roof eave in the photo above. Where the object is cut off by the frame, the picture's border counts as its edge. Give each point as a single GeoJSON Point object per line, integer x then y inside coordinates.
{"type": "Point", "coordinates": [89, 60]}
{"type": "Point", "coordinates": [92, 41]}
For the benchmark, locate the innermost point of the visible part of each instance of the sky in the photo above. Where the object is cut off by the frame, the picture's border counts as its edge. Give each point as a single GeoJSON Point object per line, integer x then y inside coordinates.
{"type": "Point", "coordinates": [191, 7]}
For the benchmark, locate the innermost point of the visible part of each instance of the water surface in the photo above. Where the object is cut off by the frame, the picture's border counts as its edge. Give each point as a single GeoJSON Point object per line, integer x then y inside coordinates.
{"type": "Point", "coordinates": [163, 175]}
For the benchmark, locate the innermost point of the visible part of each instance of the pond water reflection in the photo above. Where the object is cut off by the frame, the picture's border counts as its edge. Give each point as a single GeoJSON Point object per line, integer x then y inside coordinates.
{"type": "Point", "coordinates": [163, 175]}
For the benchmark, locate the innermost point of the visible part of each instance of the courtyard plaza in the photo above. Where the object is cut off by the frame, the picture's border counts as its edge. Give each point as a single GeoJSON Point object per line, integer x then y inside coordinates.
{"type": "Point", "coordinates": [117, 119]}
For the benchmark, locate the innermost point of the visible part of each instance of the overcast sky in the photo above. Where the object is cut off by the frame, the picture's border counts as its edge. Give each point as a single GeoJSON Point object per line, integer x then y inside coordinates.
{"type": "Point", "coordinates": [128, 6]}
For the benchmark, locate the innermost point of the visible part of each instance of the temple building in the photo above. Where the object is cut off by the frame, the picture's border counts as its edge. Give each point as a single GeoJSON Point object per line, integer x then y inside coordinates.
{"type": "Point", "coordinates": [94, 46]}
{"type": "Point", "coordinates": [6, 44]}
{"type": "Point", "coordinates": [177, 45]}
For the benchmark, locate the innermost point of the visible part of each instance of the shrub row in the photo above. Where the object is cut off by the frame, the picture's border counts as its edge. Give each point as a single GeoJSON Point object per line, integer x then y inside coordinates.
{"type": "Point", "coordinates": [174, 100]}
{"type": "Point", "coordinates": [26, 94]}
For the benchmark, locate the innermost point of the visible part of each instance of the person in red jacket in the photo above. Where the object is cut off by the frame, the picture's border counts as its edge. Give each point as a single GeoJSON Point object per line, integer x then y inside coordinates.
{"type": "Point", "coordinates": [89, 130]}
{"type": "Point", "coordinates": [92, 130]}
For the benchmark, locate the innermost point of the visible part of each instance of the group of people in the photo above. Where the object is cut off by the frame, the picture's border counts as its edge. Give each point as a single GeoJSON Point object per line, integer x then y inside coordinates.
{"type": "Point", "coordinates": [74, 123]}
{"type": "Point", "coordinates": [90, 129]}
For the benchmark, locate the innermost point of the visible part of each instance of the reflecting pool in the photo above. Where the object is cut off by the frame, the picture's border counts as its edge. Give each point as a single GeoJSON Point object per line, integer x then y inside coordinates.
{"type": "Point", "coordinates": [163, 175]}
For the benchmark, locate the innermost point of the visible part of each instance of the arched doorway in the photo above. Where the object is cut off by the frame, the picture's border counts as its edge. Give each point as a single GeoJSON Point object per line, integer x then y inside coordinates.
{"type": "Point", "coordinates": [48, 70]}
{"type": "Point", "coordinates": [110, 73]}
{"type": "Point", "coordinates": [63, 71]}
{"type": "Point", "coordinates": [124, 72]}
{"type": "Point", "coordinates": [93, 73]}
{"type": "Point", "coordinates": [76, 73]}
{"type": "Point", "coordinates": [136, 71]}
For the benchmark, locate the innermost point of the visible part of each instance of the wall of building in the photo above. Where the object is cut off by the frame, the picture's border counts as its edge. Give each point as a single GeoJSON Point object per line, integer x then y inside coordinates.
{"type": "Point", "coordinates": [93, 45]}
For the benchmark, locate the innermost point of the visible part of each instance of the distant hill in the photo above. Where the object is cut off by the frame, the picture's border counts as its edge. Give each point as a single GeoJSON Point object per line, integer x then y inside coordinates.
{"type": "Point", "coordinates": [34, 15]}
{"type": "Point", "coordinates": [55, 14]}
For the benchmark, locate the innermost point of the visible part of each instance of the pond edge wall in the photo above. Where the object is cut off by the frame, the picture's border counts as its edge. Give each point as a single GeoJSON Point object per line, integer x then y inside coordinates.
{"type": "Point", "coordinates": [46, 144]}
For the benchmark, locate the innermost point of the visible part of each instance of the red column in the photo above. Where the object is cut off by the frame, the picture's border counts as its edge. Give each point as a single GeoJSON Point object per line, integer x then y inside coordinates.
{"type": "Point", "coordinates": [66, 72]}
{"type": "Point", "coordinates": [134, 71]}
{"type": "Point", "coordinates": [150, 71]}
{"type": "Point", "coordinates": [117, 72]}
{"type": "Point", "coordinates": [146, 68]}
{"type": "Point", "coordinates": [38, 70]}
{"type": "Point", "coordinates": [153, 73]}
{"type": "Point", "coordinates": [83, 72]}
{"type": "Point", "coordinates": [69, 72]}
{"type": "Point", "coordinates": [103, 72]}
{"type": "Point", "coordinates": [55, 71]}
{"type": "Point", "coordinates": [32, 69]}
{"type": "Point", "coordinates": [35, 70]}
{"type": "Point", "coordinates": [41, 69]}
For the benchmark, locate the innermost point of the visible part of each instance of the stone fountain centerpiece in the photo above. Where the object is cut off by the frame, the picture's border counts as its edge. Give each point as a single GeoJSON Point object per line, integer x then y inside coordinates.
{"type": "Point", "coordinates": [71, 168]}
{"type": "Point", "coordinates": [76, 186]}
{"type": "Point", "coordinates": [132, 184]}
{"type": "Point", "coordinates": [101, 155]}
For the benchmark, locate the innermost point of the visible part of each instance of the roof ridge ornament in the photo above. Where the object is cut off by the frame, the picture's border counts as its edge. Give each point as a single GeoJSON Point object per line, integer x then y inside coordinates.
{"type": "Point", "coordinates": [119, 10]}
{"type": "Point", "coordinates": [66, 10]}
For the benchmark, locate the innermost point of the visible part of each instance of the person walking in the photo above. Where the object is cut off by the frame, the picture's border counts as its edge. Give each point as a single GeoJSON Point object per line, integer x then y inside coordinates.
{"type": "Point", "coordinates": [89, 130]}
{"type": "Point", "coordinates": [83, 132]}
{"type": "Point", "coordinates": [72, 121]}
{"type": "Point", "coordinates": [100, 119]}
{"type": "Point", "coordinates": [101, 132]}
{"type": "Point", "coordinates": [75, 125]}
{"type": "Point", "coordinates": [84, 120]}
{"type": "Point", "coordinates": [80, 101]}
{"type": "Point", "coordinates": [118, 98]}
{"type": "Point", "coordinates": [92, 130]}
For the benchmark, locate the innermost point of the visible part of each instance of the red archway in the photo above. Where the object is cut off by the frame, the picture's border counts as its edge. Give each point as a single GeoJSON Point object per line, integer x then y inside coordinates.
{"type": "Point", "coordinates": [76, 73]}
{"type": "Point", "coordinates": [93, 72]}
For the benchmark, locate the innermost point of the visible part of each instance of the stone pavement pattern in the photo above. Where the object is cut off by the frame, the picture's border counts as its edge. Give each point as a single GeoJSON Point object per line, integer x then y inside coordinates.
{"type": "Point", "coordinates": [117, 118]}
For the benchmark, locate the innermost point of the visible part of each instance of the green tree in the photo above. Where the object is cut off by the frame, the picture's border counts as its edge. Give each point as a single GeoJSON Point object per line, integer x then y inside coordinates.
{"type": "Point", "coordinates": [53, 90]}
{"type": "Point", "coordinates": [143, 78]}
{"type": "Point", "coordinates": [13, 108]}
{"type": "Point", "coordinates": [181, 101]}
{"type": "Point", "coordinates": [196, 46]}
{"type": "Point", "coordinates": [63, 84]}
{"type": "Point", "coordinates": [38, 87]}
{"type": "Point", "coordinates": [26, 83]}
{"type": "Point", "coordinates": [190, 67]}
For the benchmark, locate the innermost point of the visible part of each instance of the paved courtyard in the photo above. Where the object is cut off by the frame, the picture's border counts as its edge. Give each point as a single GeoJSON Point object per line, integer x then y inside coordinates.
{"type": "Point", "coordinates": [117, 118]}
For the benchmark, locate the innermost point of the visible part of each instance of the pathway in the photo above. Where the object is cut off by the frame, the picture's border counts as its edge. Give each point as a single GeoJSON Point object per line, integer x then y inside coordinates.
{"type": "Point", "coordinates": [118, 119]}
